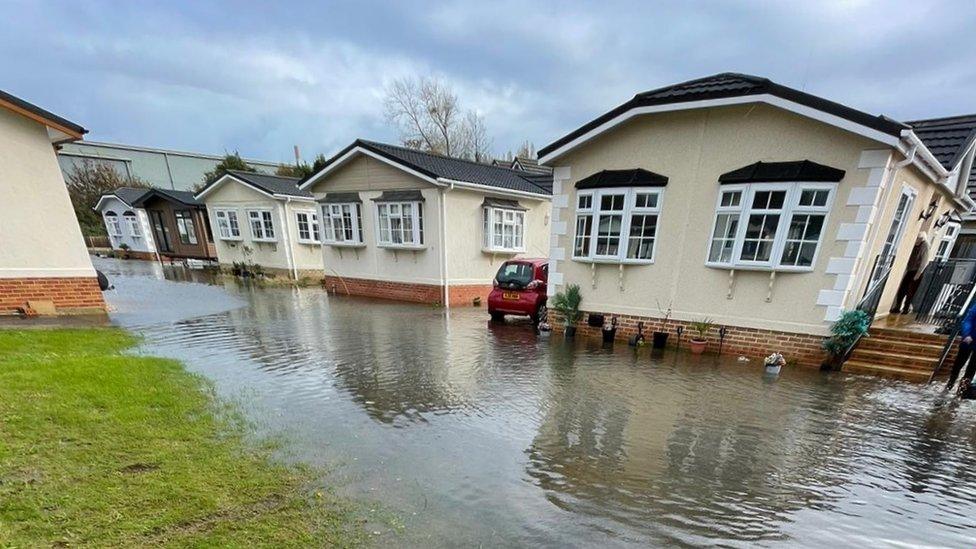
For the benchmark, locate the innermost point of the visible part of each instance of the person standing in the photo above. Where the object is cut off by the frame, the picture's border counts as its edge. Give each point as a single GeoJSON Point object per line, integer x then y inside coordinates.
{"type": "Point", "coordinates": [913, 275]}
{"type": "Point", "coordinates": [966, 331]}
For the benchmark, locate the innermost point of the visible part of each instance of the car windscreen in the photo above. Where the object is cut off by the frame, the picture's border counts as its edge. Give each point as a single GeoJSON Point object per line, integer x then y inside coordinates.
{"type": "Point", "coordinates": [517, 273]}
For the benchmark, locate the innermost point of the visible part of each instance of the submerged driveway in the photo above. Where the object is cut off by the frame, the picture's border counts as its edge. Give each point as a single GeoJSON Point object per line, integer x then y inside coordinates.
{"type": "Point", "coordinates": [472, 433]}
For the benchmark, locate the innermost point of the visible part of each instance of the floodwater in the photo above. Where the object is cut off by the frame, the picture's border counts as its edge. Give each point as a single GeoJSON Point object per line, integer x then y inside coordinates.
{"type": "Point", "coordinates": [476, 434]}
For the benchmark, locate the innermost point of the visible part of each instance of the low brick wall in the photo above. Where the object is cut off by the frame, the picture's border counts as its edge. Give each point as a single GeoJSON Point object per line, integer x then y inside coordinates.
{"type": "Point", "coordinates": [399, 291]}
{"type": "Point", "coordinates": [464, 295]}
{"type": "Point", "coordinates": [461, 295]}
{"type": "Point", "coordinates": [805, 349]}
{"type": "Point", "coordinates": [69, 294]}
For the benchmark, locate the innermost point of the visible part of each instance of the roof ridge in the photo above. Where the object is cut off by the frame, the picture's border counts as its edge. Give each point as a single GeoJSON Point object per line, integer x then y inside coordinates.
{"type": "Point", "coordinates": [259, 174]}
{"type": "Point", "coordinates": [520, 173]}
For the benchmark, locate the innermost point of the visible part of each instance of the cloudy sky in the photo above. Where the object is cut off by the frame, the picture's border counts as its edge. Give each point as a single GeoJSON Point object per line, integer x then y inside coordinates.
{"type": "Point", "coordinates": [221, 76]}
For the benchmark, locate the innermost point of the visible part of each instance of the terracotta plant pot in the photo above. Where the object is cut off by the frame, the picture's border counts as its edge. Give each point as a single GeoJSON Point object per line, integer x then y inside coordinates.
{"type": "Point", "coordinates": [697, 346]}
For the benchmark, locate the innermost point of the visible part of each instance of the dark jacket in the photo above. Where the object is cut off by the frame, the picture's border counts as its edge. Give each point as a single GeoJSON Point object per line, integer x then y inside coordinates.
{"type": "Point", "coordinates": [916, 261]}
{"type": "Point", "coordinates": [969, 323]}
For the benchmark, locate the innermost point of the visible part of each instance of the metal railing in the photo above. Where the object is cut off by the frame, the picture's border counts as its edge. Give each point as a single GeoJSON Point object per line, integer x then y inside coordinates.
{"type": "Point", "coordinates": [952, 324]}
{"type": "Point", "coordinates": [944, 287]}
{"type": "Point", "coordinates": [872, 297]}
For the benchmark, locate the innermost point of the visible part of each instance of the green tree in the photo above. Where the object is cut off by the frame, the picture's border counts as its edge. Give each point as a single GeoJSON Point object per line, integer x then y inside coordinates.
{"type": "Point", "coordinates": [302, 169]}
{"type": "Point", "coordinates": [86, 183]}
{"type": "Point", "coordinates": [230, 162]}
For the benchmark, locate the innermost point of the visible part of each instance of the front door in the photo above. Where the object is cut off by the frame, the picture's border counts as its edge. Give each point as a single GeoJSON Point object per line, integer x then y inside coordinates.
{"type": "Point", "coordinates": [895, 232]}
{"type": "Point", "coordinates": [160, 231]}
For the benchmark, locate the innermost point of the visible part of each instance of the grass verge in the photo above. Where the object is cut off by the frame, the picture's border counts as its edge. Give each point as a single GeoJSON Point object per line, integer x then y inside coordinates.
{"type": "Point", "coordinates": [102, 448]}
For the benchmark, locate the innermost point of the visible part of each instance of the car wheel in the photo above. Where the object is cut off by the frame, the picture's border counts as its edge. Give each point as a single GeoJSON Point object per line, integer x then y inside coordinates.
{"type": "Point", "coordinates": [497, 317]}
{"type": "Point", "coordinates": [537, 317]}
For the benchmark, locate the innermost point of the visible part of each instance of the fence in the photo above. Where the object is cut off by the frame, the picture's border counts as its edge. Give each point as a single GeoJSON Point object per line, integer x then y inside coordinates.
{"type": "Point", "coordinates": [98, 241]}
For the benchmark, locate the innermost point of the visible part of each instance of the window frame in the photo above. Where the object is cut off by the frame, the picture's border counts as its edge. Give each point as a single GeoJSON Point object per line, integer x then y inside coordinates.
{"type": "Point", "coordinates": [132, 220]}
{"type": "Point", "coordinates": [230, 229]}
{"type": "Point", "coordinates": [949, 240]}
{"type": "Point", "coordinates": [356, 224]}
{"type": "Point", "coordinates": [264, 225]}
{"type": "Point", "coordinates": [113, 226]}
{"type": "Point", "coordinates": [488, 229]}
{"type": "Point", "coordinates": [416, 228]}
{"type": "Point", "coordinates": [593, 199]}
{"type": "Point", "coordinates": [790, 207]}
{"type": "Point", "coordinates": [314, 226]}
{"type": "Point", "coordinates": [182, 217]}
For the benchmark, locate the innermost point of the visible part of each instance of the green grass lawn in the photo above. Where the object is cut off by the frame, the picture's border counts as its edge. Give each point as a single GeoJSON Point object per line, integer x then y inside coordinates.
{"type": "Point", "coordinates": [102, 448]}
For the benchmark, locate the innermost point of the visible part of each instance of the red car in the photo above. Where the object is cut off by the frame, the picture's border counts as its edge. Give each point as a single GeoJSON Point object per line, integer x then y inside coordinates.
{"type": "Point", "coordinates": [519, 289]}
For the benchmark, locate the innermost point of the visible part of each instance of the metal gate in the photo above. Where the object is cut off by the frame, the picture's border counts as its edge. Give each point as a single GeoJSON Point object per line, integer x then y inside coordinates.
{"type": "Point", "coordinates": [943, 290]}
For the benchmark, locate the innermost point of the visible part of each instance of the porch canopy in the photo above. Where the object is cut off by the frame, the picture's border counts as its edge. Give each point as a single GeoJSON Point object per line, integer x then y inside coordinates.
{"type": "Point", "coordinates": [775, 172]}
{"type": "Point", "coordinates": [636, 177]}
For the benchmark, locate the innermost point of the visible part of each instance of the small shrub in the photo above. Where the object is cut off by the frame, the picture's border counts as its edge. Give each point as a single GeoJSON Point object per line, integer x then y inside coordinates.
{"type": "Point", "coordinates": [567, 303]}
{"type": "Point", "coordinates": [849, 327]}
{"type": "Point", "coordinates": [701, 328]}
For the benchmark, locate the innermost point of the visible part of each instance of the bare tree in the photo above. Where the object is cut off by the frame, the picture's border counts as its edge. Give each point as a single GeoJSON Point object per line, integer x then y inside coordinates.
{"type": "Point", "coordinates": [428, 116]}
{"type": "Point", "coordinates": [526, 150]}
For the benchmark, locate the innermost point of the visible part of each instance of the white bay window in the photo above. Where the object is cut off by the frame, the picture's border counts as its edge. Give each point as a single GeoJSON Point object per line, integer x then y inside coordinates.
{"type": "Point", "coordinates": [769, 225]}
{"type": "Point", "coordinates": [342, 223]}
{"type": "Point", "coordinates": [262, 225]}
{"type": "Point", "coordinates": [228, 226]}
{"type": "Point", "coordinates": [617, 224]}
{"type": "Point", "coordinates": [400, 224]}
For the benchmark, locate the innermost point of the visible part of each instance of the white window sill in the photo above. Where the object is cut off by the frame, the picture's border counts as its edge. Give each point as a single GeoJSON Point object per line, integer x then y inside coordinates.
{"type": "Point", "coordinates": [414, 247]}
{"type": "Point", "coordinates": [612, 261]}
{"type": "Point", "coordinates": [510, 251]}
{"type": "Point", "coordinates": [265, 240]}
{"type": "Point", "coordinates": [766, 268]}
{"type": "Point", "coordinates": [345, 244]}
{"type": "Point", "coordinates": [231, 239]}
{"type": "Point", "coordinates": [309, 242]}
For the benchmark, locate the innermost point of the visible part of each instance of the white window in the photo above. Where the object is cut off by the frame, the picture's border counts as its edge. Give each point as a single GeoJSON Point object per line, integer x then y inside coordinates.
{"type": "Point", "coordinates": [400, 223]}
{"type": "Point", "coordinates": [617, 224]}
{"type": "Point", "coordinates": [135, 230]}
{"type": "Point", "coordinates": [308, 227]}
{"type": "Point", "coordinates": [262, 225]}
{"type": "Point", "coordinates": [112, 224]}
{"type": "Point", "coordinates": [947, 242]}
{"type": "Point", "coordinates": [343, 223]}
{"type": "Point", "coordinates": [228, 227]}
{"type": "Point", "coordinates": [185, 226]}
{"type": "Point", "coordinates": [504, 230]}
{"type": "Point", "coordinates": [769, 225]}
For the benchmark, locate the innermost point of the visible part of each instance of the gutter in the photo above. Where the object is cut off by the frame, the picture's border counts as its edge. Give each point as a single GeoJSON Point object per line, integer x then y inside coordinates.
{"type": "Point", "coordinates": [443, 221]}
{"type": "Point", "coordinates": [487, 188]}
{"type": "Point", "coordinates": [287, 240]}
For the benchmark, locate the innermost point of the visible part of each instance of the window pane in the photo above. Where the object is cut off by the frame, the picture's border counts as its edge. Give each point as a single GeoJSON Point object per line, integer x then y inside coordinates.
{"type": "Point", "coordinates": [640, 243]}
{"type": "Point", "coordinates": [608, 235]}
{"type": "Point", "coordinates": [814, 197]}
{"type": "Point", "coordinates": [731, 199]}
{"type": "Point", "coordinates": [584, 202]}
{"type": "Point", "coordinates": [612, 202]}
{"type": "Point", "coordinates": [584, 226]}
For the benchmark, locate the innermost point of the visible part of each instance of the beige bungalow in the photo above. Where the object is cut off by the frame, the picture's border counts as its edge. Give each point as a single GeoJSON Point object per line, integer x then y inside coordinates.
{"type": "Point", "coordinates": [768, 210]}
{"type": "Point", "coordinates": [264, 220]}
{"type": "Point", "coordinates": [44, 264]}
{"type": "Point", "coordinates": [404, 224]}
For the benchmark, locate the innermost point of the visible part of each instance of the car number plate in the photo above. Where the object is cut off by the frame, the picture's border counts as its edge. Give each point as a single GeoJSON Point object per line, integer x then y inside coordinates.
{"type": "Point", "coordinates": [510, 295]}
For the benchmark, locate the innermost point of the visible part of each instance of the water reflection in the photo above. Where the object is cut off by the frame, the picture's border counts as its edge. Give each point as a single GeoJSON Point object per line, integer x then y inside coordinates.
{"type": "Point", "coordinates": [485, 434]}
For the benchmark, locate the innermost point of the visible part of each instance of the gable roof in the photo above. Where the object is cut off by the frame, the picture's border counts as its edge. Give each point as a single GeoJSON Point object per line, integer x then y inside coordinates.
{"type": "Point", "coordinates": [435, 168]}
{"type": "Point", "coordinates": [728, 86]}
{"type": "Point", "coordinates": [67, 129]}
{"type": "Point", "coordinates": [530, 165]}
{"type": "Point", "coordinates": [273, 185]}
{"type": "Point", "coordinates": [771, 172]}
{"type": "Point", "coordinates": [184, 198]}
{"type": "Point", "coordinates": [128, 195]}
{"type": "Point", "coordinates": [947, 138]}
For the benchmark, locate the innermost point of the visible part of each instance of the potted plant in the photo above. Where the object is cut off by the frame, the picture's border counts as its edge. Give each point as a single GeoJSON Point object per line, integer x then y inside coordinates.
{"type": "Point", "coordinates": [659, 339]}
{"type": "Point", "coordinates": [847, 330]}
{"type": "Point", "coordinates": [567, 302]}
{"type": "Point", "coordinates": [610, 330]}
{"type": "Point", "coordinates": [699, 339]}
{"type": "Point", "coordinates": [774, 363]}
{"type": "Point", "coordinates": [124, 250]}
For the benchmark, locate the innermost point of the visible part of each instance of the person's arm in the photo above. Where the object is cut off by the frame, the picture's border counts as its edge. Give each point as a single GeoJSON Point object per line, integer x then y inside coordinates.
{"type": "Point", "coordinates": [966, 331]}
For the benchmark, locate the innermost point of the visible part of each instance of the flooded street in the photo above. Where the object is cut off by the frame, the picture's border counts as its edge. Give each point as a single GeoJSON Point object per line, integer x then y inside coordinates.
{"type": "Point", "coordinates": [477, 434]}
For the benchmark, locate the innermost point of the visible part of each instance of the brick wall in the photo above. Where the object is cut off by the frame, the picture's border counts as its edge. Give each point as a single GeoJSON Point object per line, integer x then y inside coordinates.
{"type": "Point", "coordinates": [400, 291]}
{"type": "Point", "coordinates": [70, 294]}
{"type": "Point", "coordinates": [751, 342]}
{"type": "Point", "coordinates": [464, 296]}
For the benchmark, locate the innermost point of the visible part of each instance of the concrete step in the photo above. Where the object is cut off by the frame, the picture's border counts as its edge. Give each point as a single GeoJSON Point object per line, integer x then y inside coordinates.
{"type": "Point", "coordinates": [890, 358]}
{"type": "Point", "coordinates": [897, 372]}
{"type": "Point", "coordinates": [906, 336]}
